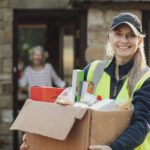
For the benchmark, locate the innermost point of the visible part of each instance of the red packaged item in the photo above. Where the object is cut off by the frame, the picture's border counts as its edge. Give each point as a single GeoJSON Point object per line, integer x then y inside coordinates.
{"type": "Point", "coordinates": [44, 93]}
{"type": "Point", "coordinates": [99, 97]}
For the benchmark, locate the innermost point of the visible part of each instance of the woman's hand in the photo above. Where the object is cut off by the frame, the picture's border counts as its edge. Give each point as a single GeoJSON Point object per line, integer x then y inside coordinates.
{"type": "Point", "coordinates": [24, 146]}
{"type": "Point", "coordinates": [100, 147]}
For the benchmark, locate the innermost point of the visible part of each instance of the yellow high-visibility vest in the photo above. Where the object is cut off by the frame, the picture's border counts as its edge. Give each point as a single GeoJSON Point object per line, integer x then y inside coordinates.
{"type": "Point", "coordinates": [103, 89]}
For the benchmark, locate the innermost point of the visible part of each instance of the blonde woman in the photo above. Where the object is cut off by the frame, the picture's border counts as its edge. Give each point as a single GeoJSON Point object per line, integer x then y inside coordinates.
{"type": "Point", "coordinates": [125, 77]}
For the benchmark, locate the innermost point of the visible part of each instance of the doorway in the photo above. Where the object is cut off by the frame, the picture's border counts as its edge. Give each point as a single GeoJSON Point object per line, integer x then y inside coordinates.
{"type": "Point", "coordinates": [63, 35]}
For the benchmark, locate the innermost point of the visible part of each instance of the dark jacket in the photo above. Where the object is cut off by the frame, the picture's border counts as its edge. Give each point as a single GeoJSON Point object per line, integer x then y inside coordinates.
{"type": "Point", "coordinates": [138, 128]}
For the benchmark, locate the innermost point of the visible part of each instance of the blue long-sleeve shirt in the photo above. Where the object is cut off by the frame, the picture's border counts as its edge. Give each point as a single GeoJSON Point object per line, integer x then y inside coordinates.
{"type": "Point", "coordinates": [139, 125]}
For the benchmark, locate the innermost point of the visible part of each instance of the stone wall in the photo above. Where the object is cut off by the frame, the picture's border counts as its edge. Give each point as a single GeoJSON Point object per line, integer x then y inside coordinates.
{"type": "Point", "coordinates": [5, 74]}
{"type": "Point", "coordinates": [99, 21]}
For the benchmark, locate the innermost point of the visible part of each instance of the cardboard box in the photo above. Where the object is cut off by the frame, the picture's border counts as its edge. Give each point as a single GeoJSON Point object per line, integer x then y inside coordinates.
{"type": "Point", "coordinates": [44, 93]}
{"type": "Point", "coordinates": [55, 127]}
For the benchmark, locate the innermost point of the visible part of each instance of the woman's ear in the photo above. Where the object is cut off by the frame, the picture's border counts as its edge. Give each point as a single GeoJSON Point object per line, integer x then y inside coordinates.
{"type": "Point", "coordinates": [141, 40]}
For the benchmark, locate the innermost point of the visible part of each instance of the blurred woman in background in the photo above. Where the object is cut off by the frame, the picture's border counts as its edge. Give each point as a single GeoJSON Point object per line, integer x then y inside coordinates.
{"type": "Point", "coordinates": [40, 73]}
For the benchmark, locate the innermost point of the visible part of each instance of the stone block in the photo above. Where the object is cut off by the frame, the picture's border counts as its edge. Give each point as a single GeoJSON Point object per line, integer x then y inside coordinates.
{"type": "Point", "coordinates": [5, 25]}
{"type": "Point", "coordinates": [94, 52]}
{"type": "Point", "coordinates": [5, 77]}
{"type": "Point", "coordinates": [7, 88]}
{"type": "Point", "coordinates": [5, 3]}
{"type": "Point", "coordinates": [5, 51]}
{"type": "Point", "coordinates": [1, 16]}
{"type": "Point", "coordinates": [6, 101]}
{"type": "Point", "coordinates": [4, 128]}
{"type": "Point", "coordinates": [97, 36]}
{"type": "Point", "coordinates": [1, 69]}
{"type": "Point", "coordinates": [7, 65]}
{"type": "Point", "coordinates": [1, 89]}
{"type": "Point", "coordinates": [95, 18]}
{"type": "Point", "coordinates": [1, 37]}
{"type": "Point", "coordinates": [6, 34]}
{"type": "Point", "coordinates": [7, 15]}
{"type": "Point", "coordinates": [1, 53]}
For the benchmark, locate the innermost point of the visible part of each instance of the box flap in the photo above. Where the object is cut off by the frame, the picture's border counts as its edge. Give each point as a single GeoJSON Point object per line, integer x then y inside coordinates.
{"type": "Point", "coordinates": [47, 119]}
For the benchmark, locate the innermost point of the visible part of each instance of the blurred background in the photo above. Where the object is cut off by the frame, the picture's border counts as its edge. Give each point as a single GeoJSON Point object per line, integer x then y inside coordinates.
{"type": "Point", "coordinates": [72, 32]}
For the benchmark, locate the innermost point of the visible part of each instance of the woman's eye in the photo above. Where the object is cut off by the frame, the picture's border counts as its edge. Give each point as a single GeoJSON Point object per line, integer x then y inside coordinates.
{"type": "Point", "coordinates": [118, 34]}
{"type": "Point", "coordinates": [131, 35]}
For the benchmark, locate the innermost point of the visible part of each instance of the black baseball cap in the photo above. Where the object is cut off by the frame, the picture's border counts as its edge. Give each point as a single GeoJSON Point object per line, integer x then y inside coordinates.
{"type": "Point", "coordinates": [130, 19]}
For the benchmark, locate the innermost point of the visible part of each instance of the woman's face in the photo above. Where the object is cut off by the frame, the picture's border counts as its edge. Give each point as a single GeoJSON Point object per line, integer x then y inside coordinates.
{"type": "Point", "coordinates": [124, 43]}
{"type": "Point", "coordinates": [37, 58]}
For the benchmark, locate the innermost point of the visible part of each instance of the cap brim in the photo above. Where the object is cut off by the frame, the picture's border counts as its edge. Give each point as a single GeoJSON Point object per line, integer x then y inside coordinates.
{"type": "Point", "coordinates": [129, 24]}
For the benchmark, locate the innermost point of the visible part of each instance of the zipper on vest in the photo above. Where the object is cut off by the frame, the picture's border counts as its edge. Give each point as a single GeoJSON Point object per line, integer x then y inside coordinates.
{"type": "Point", "coordinates": [115, 90]}
{"type": "Point", "coordinates": [117, 79]}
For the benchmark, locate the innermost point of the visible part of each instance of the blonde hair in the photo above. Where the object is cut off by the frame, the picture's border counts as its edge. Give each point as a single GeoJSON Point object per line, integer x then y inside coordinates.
{"type": "Point", "coordinates": [139, 63]}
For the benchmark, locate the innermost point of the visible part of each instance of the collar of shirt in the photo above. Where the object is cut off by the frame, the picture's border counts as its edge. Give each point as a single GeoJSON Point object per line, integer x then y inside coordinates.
{"type": "Point", "coordinates": [123, 69]}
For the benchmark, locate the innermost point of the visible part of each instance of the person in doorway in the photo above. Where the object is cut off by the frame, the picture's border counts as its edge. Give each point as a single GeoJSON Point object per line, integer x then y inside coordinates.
{"type": "Point", "coordinates": [127, 77]}
{"type": "Point", "coordinates": [40, 73]}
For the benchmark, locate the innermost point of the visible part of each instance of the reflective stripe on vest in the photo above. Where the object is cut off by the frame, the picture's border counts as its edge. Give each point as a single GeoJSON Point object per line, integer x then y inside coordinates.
{"type": "Point", "coordinates": [91, 70]}
{"type": "Point", "coordinates": [98, 68]}
{"type": "Point", "coordinates": [103, 89]}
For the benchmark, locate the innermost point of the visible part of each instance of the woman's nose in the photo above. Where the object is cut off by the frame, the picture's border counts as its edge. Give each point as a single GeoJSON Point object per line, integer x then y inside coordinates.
{"type": "Point", "coordinates": [124, 38]}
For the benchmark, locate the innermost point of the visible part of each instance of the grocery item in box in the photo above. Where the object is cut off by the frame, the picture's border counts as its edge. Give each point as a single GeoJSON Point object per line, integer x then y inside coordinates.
{"type": "Point", "coordinates": [65, 97]}
{"type": "Point", "coordinates": [77, 78]}
{"type": "Point", "coordinates": [87, 87]}
{"type": "Point", "coordinates": [44, 93]}
{"type": "Point", "coordinates": [88, 99]}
